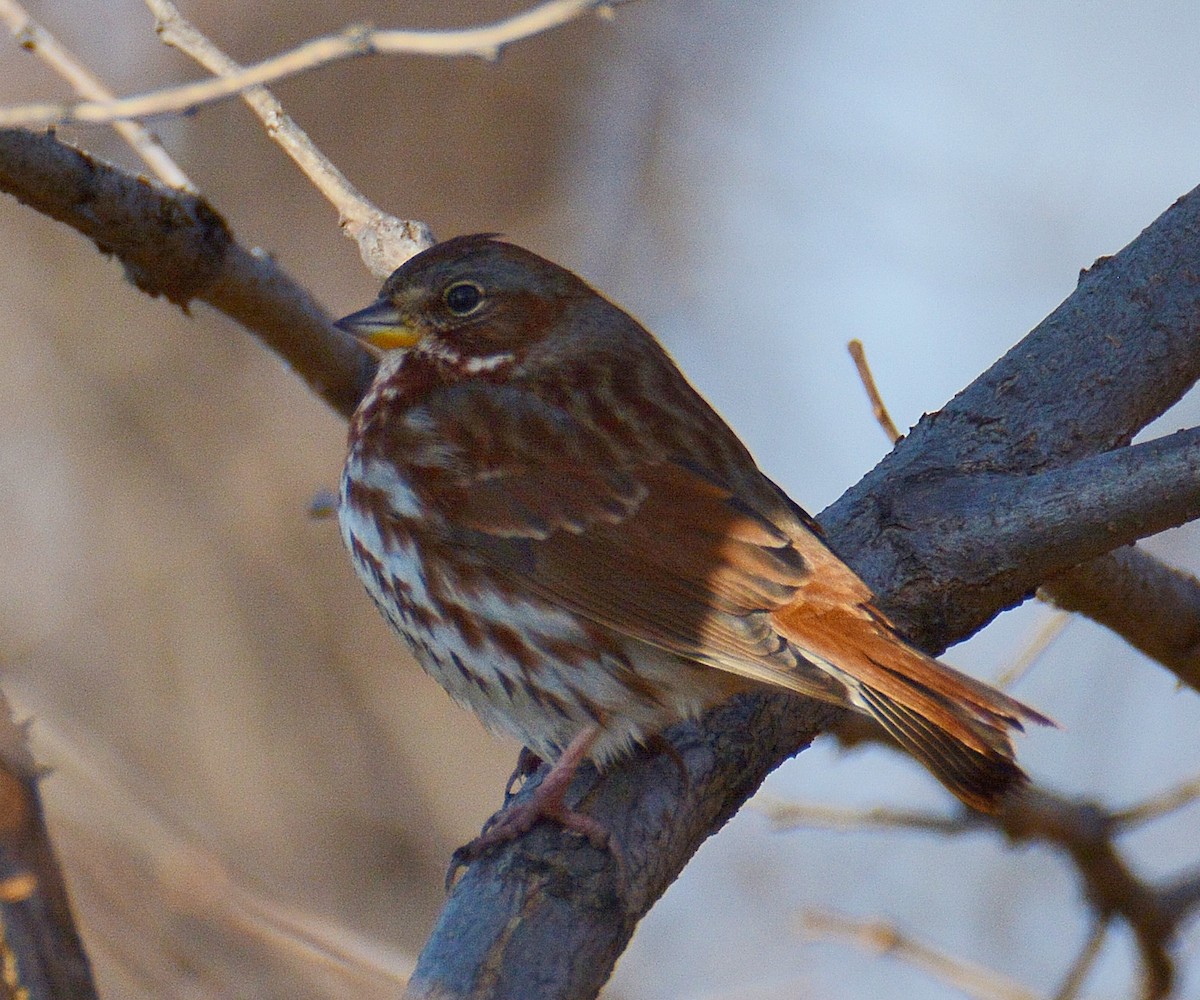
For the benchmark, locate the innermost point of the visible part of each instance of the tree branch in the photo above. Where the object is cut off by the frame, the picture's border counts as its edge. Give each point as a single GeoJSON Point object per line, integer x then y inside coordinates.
{"type": "Point", "coordinates": [485, 42]}
{"type": "Point", "coordinates": [174, 244]}
{"type": "Point", "coordinates": [1151, 606]}
{"type": "Point", "coordinates": [40, 949]}
{"type": "Point", "coordinates": [1003, 533]}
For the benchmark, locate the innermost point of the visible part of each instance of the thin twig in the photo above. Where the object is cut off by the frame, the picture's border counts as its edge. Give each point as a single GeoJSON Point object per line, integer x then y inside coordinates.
{"type": "Point", "coordinates": [859, 354]}
{"type": "Point", "coordinates": [384, 241]}
{"type": "Point", "coordinates": [34, 38]}
{"type": "Point", "coordinates": [1078, 973]}
{"type": "Point", "coordinates": [1042, 639]}
{"type": "Point", "coordinates": [1159, 805]}
{"type": "Point", "coordinates": [485, 42]}
{"type": "Point", "coordinates": [793, 815]}
{"type": "Point", "coordinates": [887, 939]}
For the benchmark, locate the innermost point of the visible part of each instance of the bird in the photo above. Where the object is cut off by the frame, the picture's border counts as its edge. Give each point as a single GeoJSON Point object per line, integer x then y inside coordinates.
{"type": "Point", "coordinates": [580, 550]}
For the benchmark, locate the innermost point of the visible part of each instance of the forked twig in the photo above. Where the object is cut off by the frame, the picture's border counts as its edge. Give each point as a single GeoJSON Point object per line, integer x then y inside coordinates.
{"type": "Point", "coordinates": [384, 241]}
{"type": "Point", "coordinates": [484, 42]}
{"type": "Point", "coordinates": [34, 38]}
{"type": "Point", "coordinates": [1086, 833]}
{"type": "Point", "coordinates": [1084, 961]}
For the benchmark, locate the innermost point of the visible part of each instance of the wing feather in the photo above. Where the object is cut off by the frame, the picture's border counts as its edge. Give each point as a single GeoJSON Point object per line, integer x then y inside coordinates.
{"type": "Point", "coordinates": [721, 569]}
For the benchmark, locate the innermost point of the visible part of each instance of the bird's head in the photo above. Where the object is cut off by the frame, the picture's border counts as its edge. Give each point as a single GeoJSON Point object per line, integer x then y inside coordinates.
{"type": "Point", "coordinates": [472, 304]}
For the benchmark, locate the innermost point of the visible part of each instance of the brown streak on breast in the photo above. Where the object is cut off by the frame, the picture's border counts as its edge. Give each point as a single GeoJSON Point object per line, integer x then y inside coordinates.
{"type": "Point", "coordinates": [549, 700]}
{"type": "Point", "coordinates": [564, 652]}
{"type": "Point", "coordinates": [510, 642]}
{"type": "Point", "coordinates": [375, 505]}
{"type": "Point", "coordinates": [466, 624]}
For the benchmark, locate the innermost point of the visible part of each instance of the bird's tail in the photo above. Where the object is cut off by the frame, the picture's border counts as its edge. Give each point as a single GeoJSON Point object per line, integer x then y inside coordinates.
{"type": "Point", "coordinates": [982, 778]}
{"type": "Point", "coordinates": [956, 726]}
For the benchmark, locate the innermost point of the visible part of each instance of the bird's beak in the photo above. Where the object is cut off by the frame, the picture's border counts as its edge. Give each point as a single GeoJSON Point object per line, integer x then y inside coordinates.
{"type": "Point", "coordinates": [381, 325]}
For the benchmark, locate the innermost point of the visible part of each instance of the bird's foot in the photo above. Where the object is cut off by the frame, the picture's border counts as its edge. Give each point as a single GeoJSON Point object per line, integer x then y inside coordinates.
{"type": "Point", "coordinates": [547, 801]}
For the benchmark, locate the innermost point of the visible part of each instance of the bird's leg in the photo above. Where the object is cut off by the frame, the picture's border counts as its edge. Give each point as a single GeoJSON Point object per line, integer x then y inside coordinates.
{"type": "Point", "coordinates": [547, 801]}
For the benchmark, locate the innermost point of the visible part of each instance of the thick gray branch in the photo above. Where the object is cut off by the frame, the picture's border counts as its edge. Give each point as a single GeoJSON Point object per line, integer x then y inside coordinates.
{"type": "Point", "coordinates": [997, 535]}
{"type": "Point", "coordinates": [1152, 606]}
{"type": "Point", "coordinates": [175, 245]}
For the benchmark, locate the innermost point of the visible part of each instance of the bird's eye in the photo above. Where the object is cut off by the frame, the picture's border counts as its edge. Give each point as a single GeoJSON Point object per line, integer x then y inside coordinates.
{"type": "Point", "coordinates": [463, 298]}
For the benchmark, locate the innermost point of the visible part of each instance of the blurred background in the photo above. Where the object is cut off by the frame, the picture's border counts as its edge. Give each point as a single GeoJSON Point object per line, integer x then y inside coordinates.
{"type": "Point", "coordinates": [252, 788]}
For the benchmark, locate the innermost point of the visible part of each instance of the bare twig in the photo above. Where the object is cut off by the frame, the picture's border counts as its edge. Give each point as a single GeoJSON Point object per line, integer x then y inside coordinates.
{"type": "Point", "coordinates": [1077, 975]}
{"type": "Point", "coordinates": [886, 939]}
{"type": "Point", "coordinates": [484, 42]}
{"type": "Point", "coordinates": [878, 407]}
{"type": "Point", "coordinates": [384, 241]}
{"type": "Point", "coordinates": [795, 815]}
{"type": "Point", "coordinates": [1160, 805]}
{"type": "Point", "coordinates": [36, 39]}
{"type": "Point", "coordinates": [1046, 635]}
{"type": "Point", "coordinates": [1085, 831]}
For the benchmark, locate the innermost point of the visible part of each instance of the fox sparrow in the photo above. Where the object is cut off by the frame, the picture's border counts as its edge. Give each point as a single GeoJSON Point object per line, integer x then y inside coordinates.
{"type": "Point", "coordinates": [577, 547]}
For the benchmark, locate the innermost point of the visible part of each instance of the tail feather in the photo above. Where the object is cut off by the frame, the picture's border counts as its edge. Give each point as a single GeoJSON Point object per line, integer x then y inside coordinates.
{"type": "Point", "coordinates": [951, 683]}
{"type": "Point", "coordinates": [953, 724]}
{"type": "Point", "coordinates": [981, 780]}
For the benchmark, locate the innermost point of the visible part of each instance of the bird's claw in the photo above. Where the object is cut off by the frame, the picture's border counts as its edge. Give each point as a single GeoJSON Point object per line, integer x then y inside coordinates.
{"type": "Point", "coordinates": [527, 765]}
{"type": "Point", "coordinates": [516, 820]}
